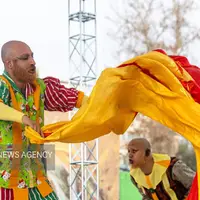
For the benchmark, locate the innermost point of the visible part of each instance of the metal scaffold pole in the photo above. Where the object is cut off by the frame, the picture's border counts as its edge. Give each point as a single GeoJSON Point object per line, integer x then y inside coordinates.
{"type": "Point", "coordinates": [84, 172]}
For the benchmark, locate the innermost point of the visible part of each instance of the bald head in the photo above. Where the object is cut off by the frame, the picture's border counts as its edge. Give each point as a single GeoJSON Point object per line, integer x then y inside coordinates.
{"type": "Point", "coordinates": [12, 49]}
{"type": "Point", "coordinates": [139, 152]}
{"type": "Point", "coordinates": [19, 62]}
{"type": "Point", "coordinates": [140, 143]}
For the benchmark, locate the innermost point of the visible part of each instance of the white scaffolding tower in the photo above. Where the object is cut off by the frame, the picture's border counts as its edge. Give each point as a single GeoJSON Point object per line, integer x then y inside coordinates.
{"type": "Point", "coordinates": [84, 174]}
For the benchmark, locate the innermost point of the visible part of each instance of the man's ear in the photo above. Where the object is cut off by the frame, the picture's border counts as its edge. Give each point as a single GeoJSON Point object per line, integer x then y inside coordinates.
{"type": "Point", "coordinates": [147, 152]}
{"type": "Point", "coordinates": [9, 64]}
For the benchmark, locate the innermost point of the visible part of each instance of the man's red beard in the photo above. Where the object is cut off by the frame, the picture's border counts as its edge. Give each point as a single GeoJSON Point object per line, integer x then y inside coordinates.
{"type": "Point", "coordinates": [24, 76]}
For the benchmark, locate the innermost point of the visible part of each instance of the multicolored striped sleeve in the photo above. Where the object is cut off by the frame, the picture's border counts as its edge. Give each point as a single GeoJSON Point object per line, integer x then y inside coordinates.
{"type": "Point", "coordinates": [4, 92]}
{"type": "Point", "coordinates": [58, 97]}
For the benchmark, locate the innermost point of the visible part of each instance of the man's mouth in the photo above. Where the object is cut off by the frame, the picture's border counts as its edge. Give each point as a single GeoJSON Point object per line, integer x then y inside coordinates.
{"type": "Point", "coordinates": [131, 161]}
{"type": "Point", "coordinates": [31, 71]}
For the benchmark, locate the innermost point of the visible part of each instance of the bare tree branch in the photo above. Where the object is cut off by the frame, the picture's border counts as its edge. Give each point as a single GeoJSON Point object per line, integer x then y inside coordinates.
{"type": "Point", "coordinates": [147, 25]}
{"type": "Point", "coordinates": [144, 26]}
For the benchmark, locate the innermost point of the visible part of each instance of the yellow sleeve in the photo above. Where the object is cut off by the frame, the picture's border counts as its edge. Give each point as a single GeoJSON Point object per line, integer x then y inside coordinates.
{"type": "Point", "coordinates": [10, 114]}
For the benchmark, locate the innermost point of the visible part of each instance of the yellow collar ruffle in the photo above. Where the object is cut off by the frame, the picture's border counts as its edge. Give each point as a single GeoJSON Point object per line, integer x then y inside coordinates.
{"type": "Point", "coordinates": [161, 163]}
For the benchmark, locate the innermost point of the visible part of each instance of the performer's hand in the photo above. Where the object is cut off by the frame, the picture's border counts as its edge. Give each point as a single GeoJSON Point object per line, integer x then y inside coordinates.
{"type": "Point", "coordinates": [35, 126]}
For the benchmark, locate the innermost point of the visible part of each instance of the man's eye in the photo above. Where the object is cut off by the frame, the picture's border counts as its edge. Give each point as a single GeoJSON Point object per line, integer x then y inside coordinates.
{"type": "Point", "coordinates": [23, 58]}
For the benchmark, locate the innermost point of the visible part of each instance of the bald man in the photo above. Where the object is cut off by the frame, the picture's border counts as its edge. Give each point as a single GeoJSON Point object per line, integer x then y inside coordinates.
{"type": "Point", "coordinates": [23, 99]}
{"type": "Point", "coordinates": [158, 176]}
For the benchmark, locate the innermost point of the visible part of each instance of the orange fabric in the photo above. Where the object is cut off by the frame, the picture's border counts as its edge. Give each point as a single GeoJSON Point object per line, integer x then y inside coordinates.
{"type": "Point", "coordinates": [44, 187]}
{"type": "Point", "coordinates": [150, 185]}
{"type": "Point", "coordinates": [148, 181]}
{"type": "Point", "coordinates": [80, 99]}
{"type": "Point", "coordinates": [164, 163]}
{"type": "Point", "coordinates": [17, 140]}
{"type": "Point", "coordinates": [20, 194]}
{"type": "Point", "coordinates": [37, 96]}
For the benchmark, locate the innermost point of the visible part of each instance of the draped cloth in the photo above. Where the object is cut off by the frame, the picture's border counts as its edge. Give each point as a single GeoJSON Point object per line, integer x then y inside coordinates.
{"type": "Point", "coordinates": [154, 84]}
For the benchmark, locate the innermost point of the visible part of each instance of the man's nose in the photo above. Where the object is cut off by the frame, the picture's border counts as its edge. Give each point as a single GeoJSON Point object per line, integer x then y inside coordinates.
{"type": "Point", "coordinates": [130, 155]}
{"type": "Point", "coordinates": [32, 61]}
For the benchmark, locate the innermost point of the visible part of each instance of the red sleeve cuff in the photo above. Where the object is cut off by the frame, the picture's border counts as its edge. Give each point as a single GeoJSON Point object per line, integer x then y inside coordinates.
{"type": "Point", "coordinates": [80, 99]}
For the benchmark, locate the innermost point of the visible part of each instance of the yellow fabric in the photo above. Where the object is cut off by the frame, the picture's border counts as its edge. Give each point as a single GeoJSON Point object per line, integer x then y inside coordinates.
{"type": "Point", "coordinates": [10, 114]}
{"type": "Point", "coordinates": [166, 185]}
{"type": "Point", "coordinates": [161, 163]}
{"type": "Point", "coordinates": [121, 92]}
{"type": "Point", "coordinates": [84, 101]}
{"type": "Point", "coordinates": [152, 180]}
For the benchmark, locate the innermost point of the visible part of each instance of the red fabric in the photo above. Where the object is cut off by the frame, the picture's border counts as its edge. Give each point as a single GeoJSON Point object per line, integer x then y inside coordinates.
{"type": "Point", "coordinates": [194, 72]}
{"type": "Point", "coordinates": [161, 51]}
{"type": "Point", "coordinates": [193, 195]}
{"type": "Point", "coordinates": [194, 88]}
{"type": "Point", "coordinates": [6, 194]}
{"type": "Point", "coordinates": [57, 96]}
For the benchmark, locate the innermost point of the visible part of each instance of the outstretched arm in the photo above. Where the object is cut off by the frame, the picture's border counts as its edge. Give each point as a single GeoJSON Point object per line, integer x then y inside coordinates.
{"type": "Point", "coordinates": [10, 114]}
{"type": "Point", "coordinates": [60, 98]}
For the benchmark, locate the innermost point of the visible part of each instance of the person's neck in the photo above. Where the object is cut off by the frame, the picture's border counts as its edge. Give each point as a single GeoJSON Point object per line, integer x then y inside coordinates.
{"type": "Point", "coordinates": [19, 84]}
{"type": "Point", "coordinates": [148, 166]}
